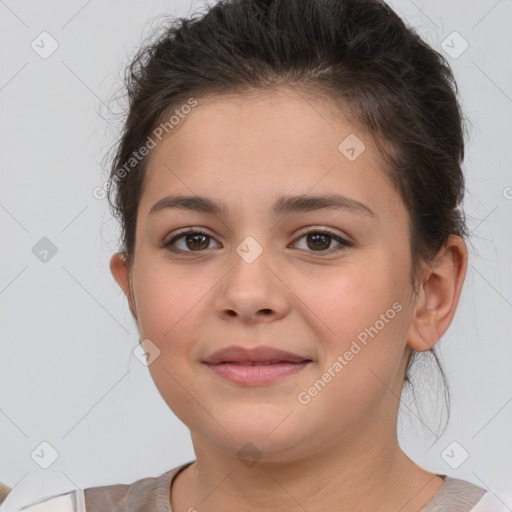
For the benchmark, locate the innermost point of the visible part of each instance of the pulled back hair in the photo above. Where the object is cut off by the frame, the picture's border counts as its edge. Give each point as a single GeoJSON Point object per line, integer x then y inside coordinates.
{"type": "Point", "coordinates": [358, 53]}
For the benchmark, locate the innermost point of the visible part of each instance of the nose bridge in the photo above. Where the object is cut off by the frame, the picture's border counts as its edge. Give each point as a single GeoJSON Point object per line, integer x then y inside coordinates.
{"type": "Point", "coordinates": [250, 274]}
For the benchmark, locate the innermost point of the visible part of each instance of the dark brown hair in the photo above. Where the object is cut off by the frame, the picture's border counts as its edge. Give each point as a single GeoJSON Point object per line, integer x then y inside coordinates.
{"type": "Point", "coordinates": [356, 52]}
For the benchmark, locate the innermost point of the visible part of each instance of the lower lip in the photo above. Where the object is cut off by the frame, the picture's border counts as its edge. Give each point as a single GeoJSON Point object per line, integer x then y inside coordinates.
{"type": "Point", "coordinates": [256, 374]}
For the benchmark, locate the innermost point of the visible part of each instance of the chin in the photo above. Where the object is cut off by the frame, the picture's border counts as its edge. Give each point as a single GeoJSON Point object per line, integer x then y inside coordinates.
{"type": "Point", "coordinates": [265, 434]}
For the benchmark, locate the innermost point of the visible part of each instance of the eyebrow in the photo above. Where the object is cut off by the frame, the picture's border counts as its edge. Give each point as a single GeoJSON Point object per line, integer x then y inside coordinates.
{"type": "Point", "coordinates": [284, 205]}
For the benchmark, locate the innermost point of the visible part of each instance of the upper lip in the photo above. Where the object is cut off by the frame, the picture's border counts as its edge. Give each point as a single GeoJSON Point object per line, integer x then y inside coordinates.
{"type": "Point", "coordinates": [237, 354]}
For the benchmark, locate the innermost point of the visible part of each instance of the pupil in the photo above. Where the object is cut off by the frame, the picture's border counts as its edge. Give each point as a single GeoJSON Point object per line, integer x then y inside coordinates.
{"type": "Point", "coordinates": [316, 237]}
{"type": "Point", "coordinates": [204, 245]}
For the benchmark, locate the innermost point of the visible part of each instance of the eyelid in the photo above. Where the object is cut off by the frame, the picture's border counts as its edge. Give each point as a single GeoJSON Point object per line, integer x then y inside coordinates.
{"type": "Point", "coordinates": [191, 229]}
{"type": "Point", "coordinates": [322, 229]}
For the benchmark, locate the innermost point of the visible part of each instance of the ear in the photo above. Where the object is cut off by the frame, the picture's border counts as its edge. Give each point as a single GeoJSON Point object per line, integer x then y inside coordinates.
{"type": "Point", "coordinates": [439, 295]}
{"type": "Point", "coordinates": [121, 273]}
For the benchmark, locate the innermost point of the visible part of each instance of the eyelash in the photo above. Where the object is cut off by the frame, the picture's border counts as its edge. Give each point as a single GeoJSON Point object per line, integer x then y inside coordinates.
{"type": "Point", "coordinates": [343, 243]}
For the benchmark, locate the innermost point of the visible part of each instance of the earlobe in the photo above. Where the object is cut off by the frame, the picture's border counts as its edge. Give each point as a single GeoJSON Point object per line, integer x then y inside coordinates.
{"type": "Point", "coordinates": [120, 272]}
{"type": "Point", "coordinates": [439, 296]}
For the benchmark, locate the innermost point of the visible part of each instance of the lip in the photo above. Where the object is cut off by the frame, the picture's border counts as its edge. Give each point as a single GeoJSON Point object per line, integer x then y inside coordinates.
{"type": "Point", "coordinates": [252, 375]}
{"type": "Point", "coordinates": [263, 354]}
{"type": "Point", "coordinates": [260, 365]}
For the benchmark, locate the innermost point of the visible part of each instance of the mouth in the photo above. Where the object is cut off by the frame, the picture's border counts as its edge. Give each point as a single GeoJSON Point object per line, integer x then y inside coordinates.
{"type": "Point", "coordinates": [259, 356]}
{"type": "Point", "coordinates": [259, 363]}
{"type": "Point", "coordinates": [259, 366]}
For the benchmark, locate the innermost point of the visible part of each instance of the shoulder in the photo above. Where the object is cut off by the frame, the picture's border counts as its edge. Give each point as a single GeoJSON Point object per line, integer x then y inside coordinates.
{"type": "Point", "coordinates": [151, 494]}
{"type": "Point", "coordinates": [141, 495]}
{"type": "Point", "coordinates": [490, 502]}
{"type": "Point", "coordinates": [71, 501]}
{"type": "Point", "coordinates": [463, 496]}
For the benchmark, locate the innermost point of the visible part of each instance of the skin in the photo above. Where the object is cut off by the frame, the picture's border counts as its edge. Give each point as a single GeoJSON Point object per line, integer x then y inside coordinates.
{"type": "Point", "coordinates": [340, 450]}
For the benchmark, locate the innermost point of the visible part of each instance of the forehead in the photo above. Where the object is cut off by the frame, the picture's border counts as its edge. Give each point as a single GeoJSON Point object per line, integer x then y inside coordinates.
{"type": "Point", "coordinates": [264, 145]}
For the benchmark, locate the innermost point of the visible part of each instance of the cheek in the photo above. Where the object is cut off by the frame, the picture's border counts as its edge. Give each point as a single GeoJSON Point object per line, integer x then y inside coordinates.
{"type": "Point", "coordinates": [170, 314]}
{"type": "Point", "coordinates": [168, 300]}
{"type": "Point", "coordinates": [349, 298]}
{"type": "Point", "coordinates": [364, 320]}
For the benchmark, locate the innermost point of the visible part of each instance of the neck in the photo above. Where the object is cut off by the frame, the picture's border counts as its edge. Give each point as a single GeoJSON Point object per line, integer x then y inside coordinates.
{"type": "Point", "coordinates": [351, 478]}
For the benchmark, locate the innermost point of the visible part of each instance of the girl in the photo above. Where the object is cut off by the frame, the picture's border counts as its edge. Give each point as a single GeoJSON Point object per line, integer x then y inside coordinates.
{"type": "Point", "coordinates": [289, 188]}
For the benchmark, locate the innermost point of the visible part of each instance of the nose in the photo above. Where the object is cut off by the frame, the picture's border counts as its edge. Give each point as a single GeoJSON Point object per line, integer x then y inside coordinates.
{"type": "Point", "coordinates": [252, 292]}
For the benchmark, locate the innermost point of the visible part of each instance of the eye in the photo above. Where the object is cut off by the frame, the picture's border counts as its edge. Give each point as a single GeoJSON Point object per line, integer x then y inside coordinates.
{"type": "Point", "coordinates": [194, 240]}
{"type": "Point", "coordinates": [320, 240]}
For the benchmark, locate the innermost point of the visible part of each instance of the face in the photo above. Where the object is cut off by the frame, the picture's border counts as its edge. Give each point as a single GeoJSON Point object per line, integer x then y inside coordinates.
{"type": "Point", "coordinates": [254, 276]}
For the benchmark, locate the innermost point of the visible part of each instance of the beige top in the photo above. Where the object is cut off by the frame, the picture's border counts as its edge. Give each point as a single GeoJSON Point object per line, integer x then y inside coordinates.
{"type": "Point", "coordinates": [153, 494]}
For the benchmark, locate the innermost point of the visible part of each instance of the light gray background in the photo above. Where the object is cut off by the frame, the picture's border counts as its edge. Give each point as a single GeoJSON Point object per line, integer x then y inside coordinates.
{"type": "Point", "coordinates": [68, 376]}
